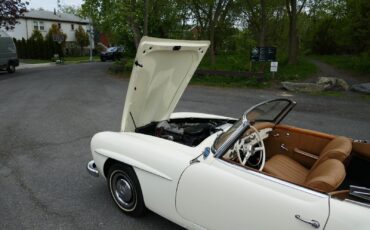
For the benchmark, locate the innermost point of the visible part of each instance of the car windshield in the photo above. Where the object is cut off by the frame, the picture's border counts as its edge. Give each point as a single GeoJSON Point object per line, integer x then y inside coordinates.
{"type": "Point", "coordinates": [271, 111]}
{"type": "Point", "coordinates": [112, 49]}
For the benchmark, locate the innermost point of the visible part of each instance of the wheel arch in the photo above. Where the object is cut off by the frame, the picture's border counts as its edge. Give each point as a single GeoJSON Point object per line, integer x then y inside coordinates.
{"type": "Point", "coordinates": [108, 163]}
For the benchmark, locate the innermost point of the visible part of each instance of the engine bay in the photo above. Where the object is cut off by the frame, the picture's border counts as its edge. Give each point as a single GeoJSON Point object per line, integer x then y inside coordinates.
{"type": "Point", "coordinates": [190, 131]}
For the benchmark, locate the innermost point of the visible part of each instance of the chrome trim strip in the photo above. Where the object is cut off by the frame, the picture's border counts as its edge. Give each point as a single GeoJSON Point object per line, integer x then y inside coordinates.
{"type": "Point", "coordinates": [245, 124]}
{"type": "Point", "coordinates": [301, 152]}
{"type": "Point", "coordinates": [234, 136]}
{"type": "Point", "coordinates": [91, 168]}
{"type": "Point", "coordinates": [276, 180]}
{"type": "Point", "coordinates": [358, 203]}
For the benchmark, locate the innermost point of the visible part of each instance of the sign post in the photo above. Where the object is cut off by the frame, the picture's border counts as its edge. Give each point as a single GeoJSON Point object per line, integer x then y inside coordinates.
{"type": "Point", "coordinates": [273, 68]}
{"type": "Point", "coordinates": [264, 54]}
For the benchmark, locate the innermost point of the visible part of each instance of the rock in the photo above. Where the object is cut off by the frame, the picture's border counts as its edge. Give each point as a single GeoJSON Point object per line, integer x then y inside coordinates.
{"type": "Point", "coordinates": [303, 87]}
{"type": "Point", "coordinates": [332, 83]}
{"type": "Point", "coordinates": [362, 88]}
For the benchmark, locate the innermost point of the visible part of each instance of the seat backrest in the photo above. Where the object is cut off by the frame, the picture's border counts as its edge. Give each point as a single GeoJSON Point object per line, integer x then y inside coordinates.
{"type": "Point", "coordinates": [327, 176]}
{"type": "Point", "coordinates": [339, 148]}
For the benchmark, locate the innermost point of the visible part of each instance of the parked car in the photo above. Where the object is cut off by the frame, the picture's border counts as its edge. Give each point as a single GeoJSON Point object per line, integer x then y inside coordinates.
{"type": "Point", "coordinates": [112, 53]}
{"type": "Point", "coordinates": [206, 171]}
{"type": "Point", "coordinates": [8, 53]}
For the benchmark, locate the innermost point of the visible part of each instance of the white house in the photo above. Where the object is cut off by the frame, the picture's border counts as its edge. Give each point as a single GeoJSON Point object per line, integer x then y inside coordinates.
{"type": "Point", "coordinates": [42, 20]}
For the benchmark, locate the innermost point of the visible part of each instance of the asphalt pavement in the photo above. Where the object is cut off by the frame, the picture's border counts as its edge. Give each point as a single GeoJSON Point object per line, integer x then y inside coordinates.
{"type": "Point", "coordinates": [48, 116]}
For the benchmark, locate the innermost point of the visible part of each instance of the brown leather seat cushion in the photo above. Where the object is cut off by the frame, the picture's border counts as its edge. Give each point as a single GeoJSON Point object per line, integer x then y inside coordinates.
{"type": "Point", "coordinates": [339, 148]}
{"type": "Point", "coordinates": [327, 176]}
{"type": "Point", "coordinates": [286, 168]}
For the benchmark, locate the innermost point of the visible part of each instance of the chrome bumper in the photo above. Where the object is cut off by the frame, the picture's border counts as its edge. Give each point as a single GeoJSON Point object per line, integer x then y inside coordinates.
{"type": "Point", "coordinates": [91, 168]}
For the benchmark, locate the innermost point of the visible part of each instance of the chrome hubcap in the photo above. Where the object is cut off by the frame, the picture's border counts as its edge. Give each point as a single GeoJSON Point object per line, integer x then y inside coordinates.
{"type": "Point", "coordinates": [123, 191]}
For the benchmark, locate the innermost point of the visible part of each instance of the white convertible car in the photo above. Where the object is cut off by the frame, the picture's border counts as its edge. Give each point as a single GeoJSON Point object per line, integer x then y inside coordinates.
{"type": "Point", "coordinates": [205, 171]}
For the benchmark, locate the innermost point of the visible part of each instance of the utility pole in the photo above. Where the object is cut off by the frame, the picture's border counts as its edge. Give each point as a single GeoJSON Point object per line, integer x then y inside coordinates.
{"type": "Point", "coordinates": [90, 39]}
{"type": "Point", "coordinates": [90, 36]}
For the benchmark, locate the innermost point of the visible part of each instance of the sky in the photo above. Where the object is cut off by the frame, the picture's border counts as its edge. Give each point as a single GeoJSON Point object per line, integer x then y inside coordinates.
{"type": "Point", "coordinates": [51, 4]}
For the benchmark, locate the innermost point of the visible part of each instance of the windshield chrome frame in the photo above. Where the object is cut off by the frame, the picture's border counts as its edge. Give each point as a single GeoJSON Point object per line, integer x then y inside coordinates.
{"type": "Point", "coordinates": [245, 124]}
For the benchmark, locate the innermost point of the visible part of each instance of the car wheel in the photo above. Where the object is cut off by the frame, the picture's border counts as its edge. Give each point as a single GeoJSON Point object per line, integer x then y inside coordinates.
{"type": "Point", "coordinates": [10, 68]}
{"type": "Point", "coordinates": [125, 189]}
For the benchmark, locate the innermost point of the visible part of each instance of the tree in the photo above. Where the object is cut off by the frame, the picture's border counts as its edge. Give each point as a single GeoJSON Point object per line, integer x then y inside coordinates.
{"type": "Point", "coordinates": [71, 10]}
{"type": "Point", "coordinates": [293, 9]}
{"type": "Point", "coordinates": [125, 22]}
{"type": "Point", "coordinates": [82, 38]}
{"type": "Point", "coordinates": [359, 22]}
{"type": "Point", "coordinates": [36, 44]}
{"type": "Point", "coordinates": [53, 32]}
{"type": "Point", "coordinates": [10, 11]}
{"type": "Point", "coordinates": [209, 15]}
{"type": "Point", "coordinates": [36, 35]}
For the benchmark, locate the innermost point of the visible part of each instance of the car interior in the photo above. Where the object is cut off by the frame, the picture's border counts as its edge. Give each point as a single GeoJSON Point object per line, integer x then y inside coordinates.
{"type": "Point", "coordinates": [322, 162]}
{"type": "Point", "coordinates": [335, 165]}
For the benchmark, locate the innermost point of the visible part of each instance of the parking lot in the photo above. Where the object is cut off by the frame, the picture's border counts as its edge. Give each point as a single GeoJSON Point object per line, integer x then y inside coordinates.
{"type": "Point", "coordinates": [48, 116]}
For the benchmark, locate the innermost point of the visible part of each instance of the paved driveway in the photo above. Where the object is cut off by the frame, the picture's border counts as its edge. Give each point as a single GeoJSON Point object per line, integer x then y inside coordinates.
{"type": "Point", "coordinates": [48, 115]}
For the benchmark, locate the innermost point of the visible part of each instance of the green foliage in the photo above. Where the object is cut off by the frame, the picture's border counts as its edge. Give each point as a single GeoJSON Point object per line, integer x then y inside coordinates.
{"type": "Point", "coordinates": [356, 63]}
{"type": "Point", "coordinates": [323, 27]}
{"type": "Point", "coordinates": [339, 27]}
{"type": "Point", "coordinates": [71, 10]}
{"type": "Point", "coordinates": [82, 38]}
{"type": "Point", "coordinates": [302, 70]}
{"type": "Point", "coordinates": [232, 62]}
{"type": "Point", "coordinates": [10, 11]}
{"type": "Point", "coordinates": [55, 47]}
{"type": "Point", "coordinates": [121, 21]}
{"type": "Point", "coordinates": [39, 48]}
{"type": "Point", "coordinates": [36, 36]}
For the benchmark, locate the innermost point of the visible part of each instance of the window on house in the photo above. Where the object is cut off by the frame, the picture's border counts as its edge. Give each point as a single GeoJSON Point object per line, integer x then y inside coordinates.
{"type": "Point", "coordinates": [35, 25]}
{"type": "Point", "coordinates": [38, 25]}
{"type": "Point", "coordinates": [72, 27]}
{"type": "Point", "coordinates": [59, 26]}
{"type": "Point", "coordinates": [41, 25]}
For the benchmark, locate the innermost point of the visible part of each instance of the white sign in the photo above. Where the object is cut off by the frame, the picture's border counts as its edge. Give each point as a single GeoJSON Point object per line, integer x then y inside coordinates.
{"type": "Point", "coordinates": [274, 66]}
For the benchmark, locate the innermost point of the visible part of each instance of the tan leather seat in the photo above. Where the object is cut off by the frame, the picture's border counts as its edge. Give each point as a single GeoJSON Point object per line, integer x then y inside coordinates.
{"type": "Point", "coordinates": [326, 174]}
{"type": "Point", "coordinates": [339, 148]}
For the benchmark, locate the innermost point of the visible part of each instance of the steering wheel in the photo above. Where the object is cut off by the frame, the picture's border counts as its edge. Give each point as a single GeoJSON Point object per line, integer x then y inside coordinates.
{"type": "Point", "coordinates": [245, 148]}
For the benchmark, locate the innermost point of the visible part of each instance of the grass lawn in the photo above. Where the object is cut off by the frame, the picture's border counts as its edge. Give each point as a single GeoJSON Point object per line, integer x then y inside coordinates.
{"type": "Point", "coordinates": [358, 64]}
{"type": "Point", "coordinates": [67, 60]}
{"type": "Point", "coordinates": [302, 70]}
{"type": "Point", "coordinates": [34, 61]}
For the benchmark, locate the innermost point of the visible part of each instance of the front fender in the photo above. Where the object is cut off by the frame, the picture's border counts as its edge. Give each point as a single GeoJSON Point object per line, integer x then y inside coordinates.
{"type": "Point", "coordinates": [105, 154]}
{"type": "Point", "coordinates": [158, 164]}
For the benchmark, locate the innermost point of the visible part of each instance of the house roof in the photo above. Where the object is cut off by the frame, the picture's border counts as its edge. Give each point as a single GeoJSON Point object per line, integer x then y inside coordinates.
{"type": "Point", "coordinates": [50, 16]}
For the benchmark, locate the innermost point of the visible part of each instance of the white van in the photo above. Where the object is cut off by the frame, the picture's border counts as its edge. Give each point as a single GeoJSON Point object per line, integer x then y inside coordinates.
{"type": "Point", "coordinates": [8, 53]}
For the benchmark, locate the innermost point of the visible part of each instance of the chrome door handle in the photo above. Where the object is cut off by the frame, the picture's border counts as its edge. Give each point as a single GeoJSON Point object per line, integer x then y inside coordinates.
{"type": "Point", "coordinates": [313, 223]}
{"type": "Point", "coordinates": [283, 147]}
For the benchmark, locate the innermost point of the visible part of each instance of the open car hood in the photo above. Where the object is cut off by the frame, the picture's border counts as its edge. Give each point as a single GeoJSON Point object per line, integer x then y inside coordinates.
{"type": "Point", "coordinates": [161, 72]}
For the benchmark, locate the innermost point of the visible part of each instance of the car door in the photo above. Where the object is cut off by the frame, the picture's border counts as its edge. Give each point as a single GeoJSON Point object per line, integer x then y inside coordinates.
{"type": "Point", "coordinates": [216, 194]}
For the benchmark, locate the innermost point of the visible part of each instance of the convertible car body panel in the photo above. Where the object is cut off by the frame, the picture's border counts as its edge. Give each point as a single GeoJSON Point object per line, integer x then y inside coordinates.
{"type": "Point", "coordinates": [206, 171]}
{"type": "Point", "coordinates": [162, 70]}
{"type": "Point", "coordinates": [257, 203]}
{"type": "Point", "coordinates": [157, 162]}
